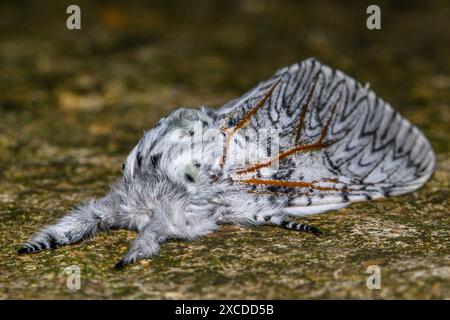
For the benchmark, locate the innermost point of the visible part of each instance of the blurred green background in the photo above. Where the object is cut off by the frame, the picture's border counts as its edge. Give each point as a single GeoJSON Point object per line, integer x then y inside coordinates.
{"type": "Point", "coordinates": [73, 103]}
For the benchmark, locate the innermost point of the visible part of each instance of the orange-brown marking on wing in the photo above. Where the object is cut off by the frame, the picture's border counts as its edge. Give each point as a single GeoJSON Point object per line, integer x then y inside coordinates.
{"type": "Point", "coordinates": [283, 155]}
{"type": "Point", "coordinates": [317, 145]}
{"type": "Point", "coordinates": [271, 193]}
{"type": "Point", "coordinates": [289, 184]}
{"type": "Point", "coordinates": [246, 119]}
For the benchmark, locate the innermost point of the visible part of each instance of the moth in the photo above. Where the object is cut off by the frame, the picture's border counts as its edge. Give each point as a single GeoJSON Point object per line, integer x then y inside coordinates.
{"type": "Point", "coordinates": [308, 140]}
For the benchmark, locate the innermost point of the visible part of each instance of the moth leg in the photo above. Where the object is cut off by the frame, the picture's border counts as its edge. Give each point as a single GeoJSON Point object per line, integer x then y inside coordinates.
{"type": "Point", "coordinates": [144, 246]}
{"type": "Point", "coordinates": [289, 225]}
{"type": "Point", "coordinates": [284, 223]}
{"type": "Point", "coordinates": [81, 222]}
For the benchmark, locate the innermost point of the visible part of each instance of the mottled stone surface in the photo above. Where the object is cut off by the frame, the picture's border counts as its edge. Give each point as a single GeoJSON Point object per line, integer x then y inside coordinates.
{"type": "Point", "coordinates": [73, 103]}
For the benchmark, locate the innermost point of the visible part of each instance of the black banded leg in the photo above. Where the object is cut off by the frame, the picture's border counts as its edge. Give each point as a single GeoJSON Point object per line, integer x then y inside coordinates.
{"type": "Point", "coordinates": [49, 242]}
{"type": "Point", "coordinates": [300, 227]}
{"type": "Point", "coordinates": [274, 219]}
{"type": "Point", "coordinates": [80, 223]}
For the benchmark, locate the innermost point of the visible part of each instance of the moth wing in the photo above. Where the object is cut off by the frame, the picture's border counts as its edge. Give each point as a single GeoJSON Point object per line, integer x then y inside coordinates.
{"type": "Point", "coordinates": [337, 141]}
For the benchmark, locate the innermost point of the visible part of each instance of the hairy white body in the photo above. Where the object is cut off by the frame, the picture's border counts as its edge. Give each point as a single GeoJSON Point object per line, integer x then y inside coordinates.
{"type": "Point", "coordinates": [336, 143]}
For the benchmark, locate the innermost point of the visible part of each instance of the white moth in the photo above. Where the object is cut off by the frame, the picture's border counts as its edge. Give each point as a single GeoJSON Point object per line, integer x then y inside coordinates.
{"type": "Point", "coordinates": [308, 140]}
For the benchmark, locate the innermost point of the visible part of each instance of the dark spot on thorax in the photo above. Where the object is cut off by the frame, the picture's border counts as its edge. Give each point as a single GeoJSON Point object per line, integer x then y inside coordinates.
{"type": "Point", "coordinates": [155, 159]}
{"type": "Point", "coordinates": [189, 177]}
{"type": "Point", "coordinates": [139, 159]}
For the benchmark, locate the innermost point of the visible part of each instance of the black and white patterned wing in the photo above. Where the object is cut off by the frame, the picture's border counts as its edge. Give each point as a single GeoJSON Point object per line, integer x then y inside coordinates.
{"type": "Point", "coordinates": [337, 141]}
